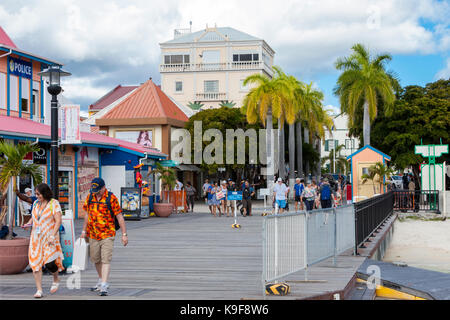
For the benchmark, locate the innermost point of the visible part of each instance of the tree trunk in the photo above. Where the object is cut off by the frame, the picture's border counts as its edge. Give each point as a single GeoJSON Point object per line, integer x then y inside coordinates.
{"type": "Point", "coordinates": [282, 169]}
{"type": "Point", "coordinates": [270, 167]}
{"type": "Point", "coordinates": [366, 124]}
{"type": "Point", "coordinates": [299, 150]}
{"type": "Point", "coordinates": [13, 206]}
{"type": "Point", "coordinates": [291, 157]}
{"type": "Point", "coordinates": [318, 166]}
{"type": "Point", "coordinates": [307, 169]}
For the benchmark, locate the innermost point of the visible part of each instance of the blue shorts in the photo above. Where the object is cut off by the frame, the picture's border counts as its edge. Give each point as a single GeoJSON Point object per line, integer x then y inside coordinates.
{"type": "Point", "coordinates": [281, 203]}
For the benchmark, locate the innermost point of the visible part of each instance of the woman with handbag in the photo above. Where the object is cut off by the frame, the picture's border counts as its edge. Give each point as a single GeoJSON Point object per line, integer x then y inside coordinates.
{"type": "Point", "coordinates": [45, 248]}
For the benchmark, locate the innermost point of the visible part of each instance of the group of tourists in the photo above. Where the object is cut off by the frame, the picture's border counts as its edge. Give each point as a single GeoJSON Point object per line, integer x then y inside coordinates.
{"type": "Point", "coordinates": [307, 196]}
{"type": "Point", "coordinates": [103, 217]}
{"type": "Point", "coordinates": [216, 197]}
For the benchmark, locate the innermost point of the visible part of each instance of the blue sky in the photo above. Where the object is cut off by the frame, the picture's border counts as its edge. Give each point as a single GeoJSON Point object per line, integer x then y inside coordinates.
{"type": "Point", "coordinates": [104, 43]}
{"type": "Point", "coordinates": [410, 69]}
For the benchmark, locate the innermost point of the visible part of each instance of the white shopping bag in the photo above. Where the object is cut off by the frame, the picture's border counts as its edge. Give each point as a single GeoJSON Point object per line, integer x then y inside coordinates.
{"type": "Point", "coordinates": [80, 255]}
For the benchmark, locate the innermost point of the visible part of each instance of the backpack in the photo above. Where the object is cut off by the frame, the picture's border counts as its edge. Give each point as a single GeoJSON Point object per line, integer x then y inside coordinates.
{"type": "Point", "coordinates": [325, 193]}
{"type": "Point", "coordinates": [108, 203]}
{"type": "Point", "coordinates": [246, 193]}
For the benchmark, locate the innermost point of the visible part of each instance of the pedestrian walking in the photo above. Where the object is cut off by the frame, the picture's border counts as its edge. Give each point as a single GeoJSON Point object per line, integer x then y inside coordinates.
{"type": "Point", "coordinates": [213, 201]}
{"type": "Point", "coordinates": [315, 189]}
{"type": "Point", "coordinates": [309, 196]}
{"type": "Point", "coordinates": [298, 187]}
{"type": "Point", "coordinates": [190, 196]}
{"type": "Point", "coordinates": [247, 194]}
{"type": "Point", "coordinates": [205, 188]}
{"type": "Point", "coordinates": [45, 248]}
{"type": "Point", "coordinates": [102, 209]}
{"type": "Point", "coordinates": [325, 194]}
{"type": "Point", "coordinates": [231, 203]}
{"type": "Point", "coordinates": [280, 194]}
{"type": "Point", "coordinates": [223, 201]}
{"type": "Point", "coordinates": [178, 185]}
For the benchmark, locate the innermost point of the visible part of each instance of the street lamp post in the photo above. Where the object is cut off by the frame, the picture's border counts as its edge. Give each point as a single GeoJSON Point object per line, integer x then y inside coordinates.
{"type": "Point", "coordinates": [54, 73]}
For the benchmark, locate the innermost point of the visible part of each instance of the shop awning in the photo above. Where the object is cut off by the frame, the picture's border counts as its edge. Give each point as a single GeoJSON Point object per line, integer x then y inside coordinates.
{"type": "Point", "coordinates": [188, 167]}
{"type": "Point", "coordinates": [25, 129]}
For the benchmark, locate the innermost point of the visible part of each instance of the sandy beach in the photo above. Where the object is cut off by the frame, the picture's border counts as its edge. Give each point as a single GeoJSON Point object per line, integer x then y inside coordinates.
{"type": "Point", "coordinates": [421, 244]}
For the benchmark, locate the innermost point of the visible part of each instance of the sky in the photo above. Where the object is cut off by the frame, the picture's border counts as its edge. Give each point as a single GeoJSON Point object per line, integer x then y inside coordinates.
{"type": "Point", "coordinates": [104, 43]}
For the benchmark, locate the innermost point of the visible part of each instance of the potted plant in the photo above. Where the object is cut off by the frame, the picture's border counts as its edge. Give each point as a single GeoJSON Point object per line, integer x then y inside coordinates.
{"type": "Point", "coordinates": [14, 251]}
{"type": "Point", "coordinates": [168, 180]}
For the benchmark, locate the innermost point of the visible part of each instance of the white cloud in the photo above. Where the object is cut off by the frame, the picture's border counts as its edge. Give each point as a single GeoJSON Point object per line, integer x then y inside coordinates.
{"type": "Point", "coordinates": [82, 87]}
{"type": "Point", "coordinates": [444, 73]}
{"type": "Point", "coordinates": [116, 38]}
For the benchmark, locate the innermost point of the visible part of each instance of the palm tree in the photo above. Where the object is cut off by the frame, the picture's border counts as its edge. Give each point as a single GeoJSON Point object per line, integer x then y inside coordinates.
{"type": "Point", "coordinates": [378, 173]}
{"type": "Point", "coordinates": [335, 156]}
{"type": "Point", "coordinates": [263, 101]}
{"type": "Point", "coordinates": [310, 114]}
{"type": "Point", "coordinates": [228, 104]}
{"type": "Point", "coordinates": [12, 167]}
{"type": "Point", "coordinates": [319, 120]}
{"type": "Point", "coordinates": [295, 112]}
{"type": "Point", "coordinates": [362, 80]}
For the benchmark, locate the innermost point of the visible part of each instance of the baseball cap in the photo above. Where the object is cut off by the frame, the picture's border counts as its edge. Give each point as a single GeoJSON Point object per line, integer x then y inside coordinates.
{"type": "Point", "coordinates": [28, 190]}
{"type": "Point", "coordinates": [97, 184]}
{"type": "Point", "coordinates": [279, 180]}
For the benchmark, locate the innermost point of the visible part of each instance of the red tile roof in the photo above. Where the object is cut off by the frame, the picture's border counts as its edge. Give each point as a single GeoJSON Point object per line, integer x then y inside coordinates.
{"type": "Point", "coordinates": [14, 126]}
{"type": "Point", "coordinates": [5, 39]}
{"type": "Point", "coordinates": [115, 94]}
{"type": "Point", "coordinates": [148, 101]}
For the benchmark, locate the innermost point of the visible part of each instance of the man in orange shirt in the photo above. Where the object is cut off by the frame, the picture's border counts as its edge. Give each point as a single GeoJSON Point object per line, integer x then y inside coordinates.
{"type": "Point", "coordinates": [99, 227]}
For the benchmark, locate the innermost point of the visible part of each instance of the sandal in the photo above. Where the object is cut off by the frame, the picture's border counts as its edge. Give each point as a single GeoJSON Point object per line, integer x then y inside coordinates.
{"type": "Point", "coordinates": [54, 287]}
{"type": "Point", "coordinates": [38, 294]}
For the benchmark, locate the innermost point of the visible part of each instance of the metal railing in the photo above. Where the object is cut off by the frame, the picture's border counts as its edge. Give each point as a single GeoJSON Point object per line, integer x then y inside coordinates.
{"type": "Point", "coordinates": [216, 66]}
{"type": "Point", "coordinates": [405, 200]}
{"type": "Point", "coordinates": [294, 241]}
{"type": "Point", "coordinates": [370, 214]}
{"type": "Point", "coordinates": [284, 245]}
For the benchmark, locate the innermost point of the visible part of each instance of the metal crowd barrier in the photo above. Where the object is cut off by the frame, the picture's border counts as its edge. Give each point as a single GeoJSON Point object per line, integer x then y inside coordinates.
{"type": "Point", "coordinates": [294, 241]}
{"type": "Point", "coordinates": [418, 200]}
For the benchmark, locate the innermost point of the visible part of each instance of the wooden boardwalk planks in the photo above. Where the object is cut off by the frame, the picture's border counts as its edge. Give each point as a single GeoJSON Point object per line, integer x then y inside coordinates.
{"type": "Point", "coordinates": [189, 257]}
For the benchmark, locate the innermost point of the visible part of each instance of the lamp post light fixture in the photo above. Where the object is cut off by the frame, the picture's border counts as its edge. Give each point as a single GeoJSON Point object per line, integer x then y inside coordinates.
{"type": "Point", "coordinates": [54, 73]}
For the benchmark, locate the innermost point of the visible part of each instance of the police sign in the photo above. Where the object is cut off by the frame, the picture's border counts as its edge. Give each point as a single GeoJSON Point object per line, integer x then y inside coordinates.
{"type": "Point", "coordinates": [20, 68]}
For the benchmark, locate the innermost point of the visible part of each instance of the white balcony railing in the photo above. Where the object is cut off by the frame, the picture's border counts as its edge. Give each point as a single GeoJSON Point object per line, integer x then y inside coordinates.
{"type": "Point", "coordinates": [225, 66]}
{"type": "Point", "coordinates": [210, 96]}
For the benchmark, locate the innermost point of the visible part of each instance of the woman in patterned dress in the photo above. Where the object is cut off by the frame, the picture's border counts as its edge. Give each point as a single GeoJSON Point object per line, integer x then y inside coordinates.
{"type": "Point", "coordinates": [45, 248]}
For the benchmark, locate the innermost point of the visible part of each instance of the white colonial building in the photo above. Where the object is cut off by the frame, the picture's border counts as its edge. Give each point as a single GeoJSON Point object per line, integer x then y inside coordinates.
{"type": "Point", "coordinates": [206, 69]}
{"type": "Point", "coordinates": [339, 136]}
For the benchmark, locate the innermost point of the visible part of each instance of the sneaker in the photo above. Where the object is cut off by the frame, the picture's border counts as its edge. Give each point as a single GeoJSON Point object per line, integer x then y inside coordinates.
{"type": "Point", "coordinates": [104, 289]}
{"type": "Point", "coordinates": [97, 286]}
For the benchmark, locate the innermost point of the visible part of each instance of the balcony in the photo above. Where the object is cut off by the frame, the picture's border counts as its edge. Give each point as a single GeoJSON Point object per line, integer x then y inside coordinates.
{"type": "Point", "coordinates": [211, 96]}
{"type": "Point", "coordinates": [225, 66]}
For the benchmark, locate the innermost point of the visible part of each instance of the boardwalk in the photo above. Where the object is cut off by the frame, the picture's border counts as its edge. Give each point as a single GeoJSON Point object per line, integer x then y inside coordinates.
{"type": "Point", "coordinates": [187, 256]}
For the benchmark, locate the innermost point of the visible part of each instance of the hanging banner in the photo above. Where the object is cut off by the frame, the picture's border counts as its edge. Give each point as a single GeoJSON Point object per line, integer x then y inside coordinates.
{"type": "Point", "coordinates": [70, 126]}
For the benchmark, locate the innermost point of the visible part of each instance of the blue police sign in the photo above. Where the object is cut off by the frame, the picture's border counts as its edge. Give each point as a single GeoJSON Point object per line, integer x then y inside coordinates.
{"type": "Point", "coordinates": [235, 195]}
{"type": "Point", "coordinates": [20, 68]}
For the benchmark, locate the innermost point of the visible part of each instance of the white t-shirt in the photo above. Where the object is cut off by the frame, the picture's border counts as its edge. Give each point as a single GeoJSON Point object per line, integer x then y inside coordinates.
{"type": "Point", "coordinates": [178, 186]}
{"type": "Point", "coordinates": [280, 191]}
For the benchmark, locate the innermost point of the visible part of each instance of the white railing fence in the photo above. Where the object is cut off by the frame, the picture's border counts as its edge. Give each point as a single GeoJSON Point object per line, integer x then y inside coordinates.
{"type": "Point", "coordinates": [294, 241]}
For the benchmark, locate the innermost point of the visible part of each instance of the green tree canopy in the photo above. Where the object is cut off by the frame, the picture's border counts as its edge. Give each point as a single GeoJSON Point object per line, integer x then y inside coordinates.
{"type": "Point", "coordinates": [420, 114]}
